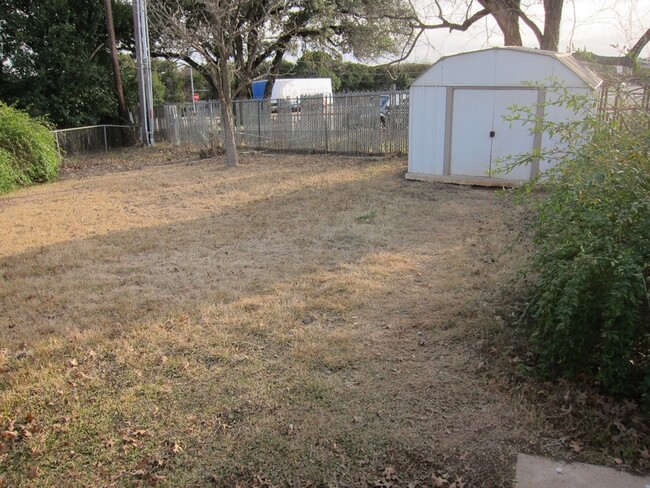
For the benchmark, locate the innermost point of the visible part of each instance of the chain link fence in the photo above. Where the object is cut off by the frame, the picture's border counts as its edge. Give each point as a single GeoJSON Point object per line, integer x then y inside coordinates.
{"type": "Point", "coordinates": [95, 138]}
{"type": "Point", "coordinates": [355, 123]}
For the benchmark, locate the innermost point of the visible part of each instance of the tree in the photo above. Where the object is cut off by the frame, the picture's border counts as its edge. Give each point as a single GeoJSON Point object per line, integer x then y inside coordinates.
{"type": "Point", "coordinates": [319, 64]}
{"type": "Point", "coordinates": [54, 59]}
{"type": "Point", "coordinates": [174, 79]}
{"type": "Point", "coordinates": [509, 16]}
{"type": "Point", "coordinates": [231, 42]}
{"type": "Point", "coordinates": [506, 13]}
{"type": "Point", "coordinates": [629, 59]}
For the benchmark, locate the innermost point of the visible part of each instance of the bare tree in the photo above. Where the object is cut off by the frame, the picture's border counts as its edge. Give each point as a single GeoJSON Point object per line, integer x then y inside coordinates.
{"type": "Point", "coordinates": [233, 42]}
{"type": "Point", "coordinates": [509, 16]}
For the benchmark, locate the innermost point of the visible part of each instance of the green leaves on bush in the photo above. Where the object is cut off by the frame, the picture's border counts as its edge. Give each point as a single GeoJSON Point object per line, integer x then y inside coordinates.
{"type": "Point", "coordinates": [590, 304]}
{"type": "Point", "coordinates": [28, 151]}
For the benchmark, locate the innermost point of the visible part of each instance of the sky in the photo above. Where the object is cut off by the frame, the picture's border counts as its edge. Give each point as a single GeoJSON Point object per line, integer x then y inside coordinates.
{"type": "Point", "coordinates": [605, 27]}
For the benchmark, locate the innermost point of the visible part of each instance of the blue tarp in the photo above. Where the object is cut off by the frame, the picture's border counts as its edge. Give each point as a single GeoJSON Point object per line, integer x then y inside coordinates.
{"type": "Point", "coordinates": [258, 89]}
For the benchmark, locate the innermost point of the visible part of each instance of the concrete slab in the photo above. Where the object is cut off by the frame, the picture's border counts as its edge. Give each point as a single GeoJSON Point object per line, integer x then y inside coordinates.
{"type": "Point", "coordinates": [538, 472]}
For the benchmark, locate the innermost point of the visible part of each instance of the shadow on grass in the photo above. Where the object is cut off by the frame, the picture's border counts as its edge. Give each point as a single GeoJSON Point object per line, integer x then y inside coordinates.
{"type": "Point", "coordinates": [287, 340]}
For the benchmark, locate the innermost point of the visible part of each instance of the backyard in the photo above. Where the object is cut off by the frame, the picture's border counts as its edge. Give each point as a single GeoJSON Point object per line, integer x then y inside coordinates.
{"type": "Point", "coordinates": [300, 320]}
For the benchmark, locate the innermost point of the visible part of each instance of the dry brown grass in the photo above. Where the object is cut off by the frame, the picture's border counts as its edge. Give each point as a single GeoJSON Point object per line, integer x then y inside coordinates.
{"type": "Point", "coordinates": [299, 320]}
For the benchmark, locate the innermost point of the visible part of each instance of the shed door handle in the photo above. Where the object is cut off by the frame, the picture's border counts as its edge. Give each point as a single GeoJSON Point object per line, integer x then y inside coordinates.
{"type": "Point", "coordinates": [492, 133]}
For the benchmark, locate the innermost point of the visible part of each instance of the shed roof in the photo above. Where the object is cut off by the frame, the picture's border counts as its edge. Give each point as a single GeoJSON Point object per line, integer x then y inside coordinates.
{"type": "Point", "coordinates": [587, 76]}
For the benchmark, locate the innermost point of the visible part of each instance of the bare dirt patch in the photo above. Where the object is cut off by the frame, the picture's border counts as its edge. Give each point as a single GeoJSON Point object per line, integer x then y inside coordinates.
{"type": "Point", "coordinates": [126, 159]}
{"type": "Point", "coordinates": [296, 321]}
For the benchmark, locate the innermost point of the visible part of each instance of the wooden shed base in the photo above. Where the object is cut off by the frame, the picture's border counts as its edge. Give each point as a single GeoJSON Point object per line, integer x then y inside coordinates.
{"type": "Point", "coordinates": [466, 180]}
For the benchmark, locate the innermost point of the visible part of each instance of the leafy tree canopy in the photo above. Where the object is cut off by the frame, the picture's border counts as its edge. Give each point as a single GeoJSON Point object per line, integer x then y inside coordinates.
{"type": "Point", "coordinates": [54, 58]}
{"type": "Point", "coordinates": [259, 34]}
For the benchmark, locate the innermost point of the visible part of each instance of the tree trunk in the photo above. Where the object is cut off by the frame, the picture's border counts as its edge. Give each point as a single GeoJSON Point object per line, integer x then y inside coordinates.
{"type": "Point", "coordinates": [273, 73]}
{"type": "Point", "coordinates": [226, 113]}
{"type": "Point", "coordinates": [121, 103]}
{"type": "Point", "coordinates": [552, 18]}
{"type": "Point", "coordinates": [505, 13]}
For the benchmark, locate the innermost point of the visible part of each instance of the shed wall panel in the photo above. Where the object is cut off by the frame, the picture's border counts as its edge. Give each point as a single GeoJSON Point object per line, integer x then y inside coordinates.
{"type": "Point", "coordinates": [427, 130]}
{"type": "Point", "coordinates": [558, 114]}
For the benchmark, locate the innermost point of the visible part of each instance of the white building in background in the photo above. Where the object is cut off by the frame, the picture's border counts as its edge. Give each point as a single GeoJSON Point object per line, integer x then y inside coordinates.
{"type": "Point", "coordinates": [457, 133]}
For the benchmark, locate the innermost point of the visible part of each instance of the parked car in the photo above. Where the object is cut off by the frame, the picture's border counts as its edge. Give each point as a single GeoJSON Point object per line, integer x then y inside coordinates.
{"type": "Point", "coordinates": [384, 102]}
{"type": "Point", "coordinates": [390, 106]}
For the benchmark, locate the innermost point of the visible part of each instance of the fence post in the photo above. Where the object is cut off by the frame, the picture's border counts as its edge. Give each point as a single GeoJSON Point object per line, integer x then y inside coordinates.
{"type": "Point", "coordinates": [327, 123]}
{"type": "Point", "coordinates": [105, 141]}
{"type": "Point", "coordinates": [58, 145]}
{"type": "Point", "coordinates": [259, 124]}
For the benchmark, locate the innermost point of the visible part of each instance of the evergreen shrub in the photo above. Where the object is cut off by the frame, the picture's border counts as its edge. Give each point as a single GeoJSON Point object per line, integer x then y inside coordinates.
{"type": "Point", "coordinates": [28, 152]}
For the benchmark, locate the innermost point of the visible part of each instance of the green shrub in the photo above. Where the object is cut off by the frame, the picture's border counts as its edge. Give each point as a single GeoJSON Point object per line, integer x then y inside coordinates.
{"type": "Point", "coordinates": [8, 176]}
{"type": "Point", "coordinates": [589, 306]}
{"type": "Point", "coordinates": [28, 151]}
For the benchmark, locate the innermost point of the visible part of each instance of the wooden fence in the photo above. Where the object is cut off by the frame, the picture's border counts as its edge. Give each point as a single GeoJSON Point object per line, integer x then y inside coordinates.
{"type": "Point", "coordinates": [369, 123]}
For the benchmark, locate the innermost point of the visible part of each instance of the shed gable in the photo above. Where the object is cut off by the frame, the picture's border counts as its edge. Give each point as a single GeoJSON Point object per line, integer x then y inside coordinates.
{"type": "Point", "coordinates": [506, 67]}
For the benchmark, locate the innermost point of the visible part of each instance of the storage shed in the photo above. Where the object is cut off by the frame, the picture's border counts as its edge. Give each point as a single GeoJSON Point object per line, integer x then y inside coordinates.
{"type": "Point", "coordinates": [456, 129]}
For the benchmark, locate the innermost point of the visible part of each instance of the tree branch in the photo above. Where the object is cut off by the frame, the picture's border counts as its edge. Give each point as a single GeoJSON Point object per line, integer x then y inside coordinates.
{"type": "Point", "coordinates": [629, 60]}
{"type": "Point", "coordinates": [532, 25]}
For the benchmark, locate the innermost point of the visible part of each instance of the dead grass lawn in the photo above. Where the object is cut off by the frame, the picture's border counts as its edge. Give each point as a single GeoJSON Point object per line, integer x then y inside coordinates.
{"type": "Point", "coordinates": [297, 321]}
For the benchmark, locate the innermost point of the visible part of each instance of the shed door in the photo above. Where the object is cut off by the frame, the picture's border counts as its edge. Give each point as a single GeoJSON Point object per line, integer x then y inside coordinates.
{"type": "Point", "coordinates": [479, 135]}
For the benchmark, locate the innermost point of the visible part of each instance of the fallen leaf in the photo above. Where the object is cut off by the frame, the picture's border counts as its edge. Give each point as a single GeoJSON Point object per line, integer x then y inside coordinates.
{"type": "Point", "coordinates": [389, 473]}
{"type": "Point", "coordinates": [129, 440]}
{"type": "Point", "coordinates": [575, 446]}
{"type": "Point", "coordinates": [154, 479]}
{"type": "Point", "coordinates": [618, 461]}
{"type": "Point", "coordinates": [33, 472]}
{"type": "Point", "coordinates": [382, 483]}
{"type": "Point", "coordinates": [9, 434]}
{"type": "Point", "coordinates": [110, 442]}
{"type": "Point", "coordinates": [176, 448]}
{"type": "Point", "coordinates": [73, 363]}
{"type": "Point", "coordinates": [3, 448]}
{"type": "Point", "coordinates": [142, 463]}
{"type": "Point", "coordinates": [439, 482]}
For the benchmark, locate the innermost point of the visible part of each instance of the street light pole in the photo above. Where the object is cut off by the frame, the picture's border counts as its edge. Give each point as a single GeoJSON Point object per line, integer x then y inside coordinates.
{"type": "Point", "coordinates": [143, 63]}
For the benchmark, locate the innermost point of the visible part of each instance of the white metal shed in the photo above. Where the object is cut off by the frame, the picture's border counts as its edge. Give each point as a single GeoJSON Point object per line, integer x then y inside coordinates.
{"type": "Point", "coordinates": [456, 127]}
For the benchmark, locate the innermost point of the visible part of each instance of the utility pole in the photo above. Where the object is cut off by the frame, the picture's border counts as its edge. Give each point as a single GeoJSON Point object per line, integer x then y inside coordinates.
{"type": "Point", "coordinates": [192, 88]}
{"type": "Point", "coordinates": [143, 64]}
{"type": "Point", "coordinates": [121, 103]}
